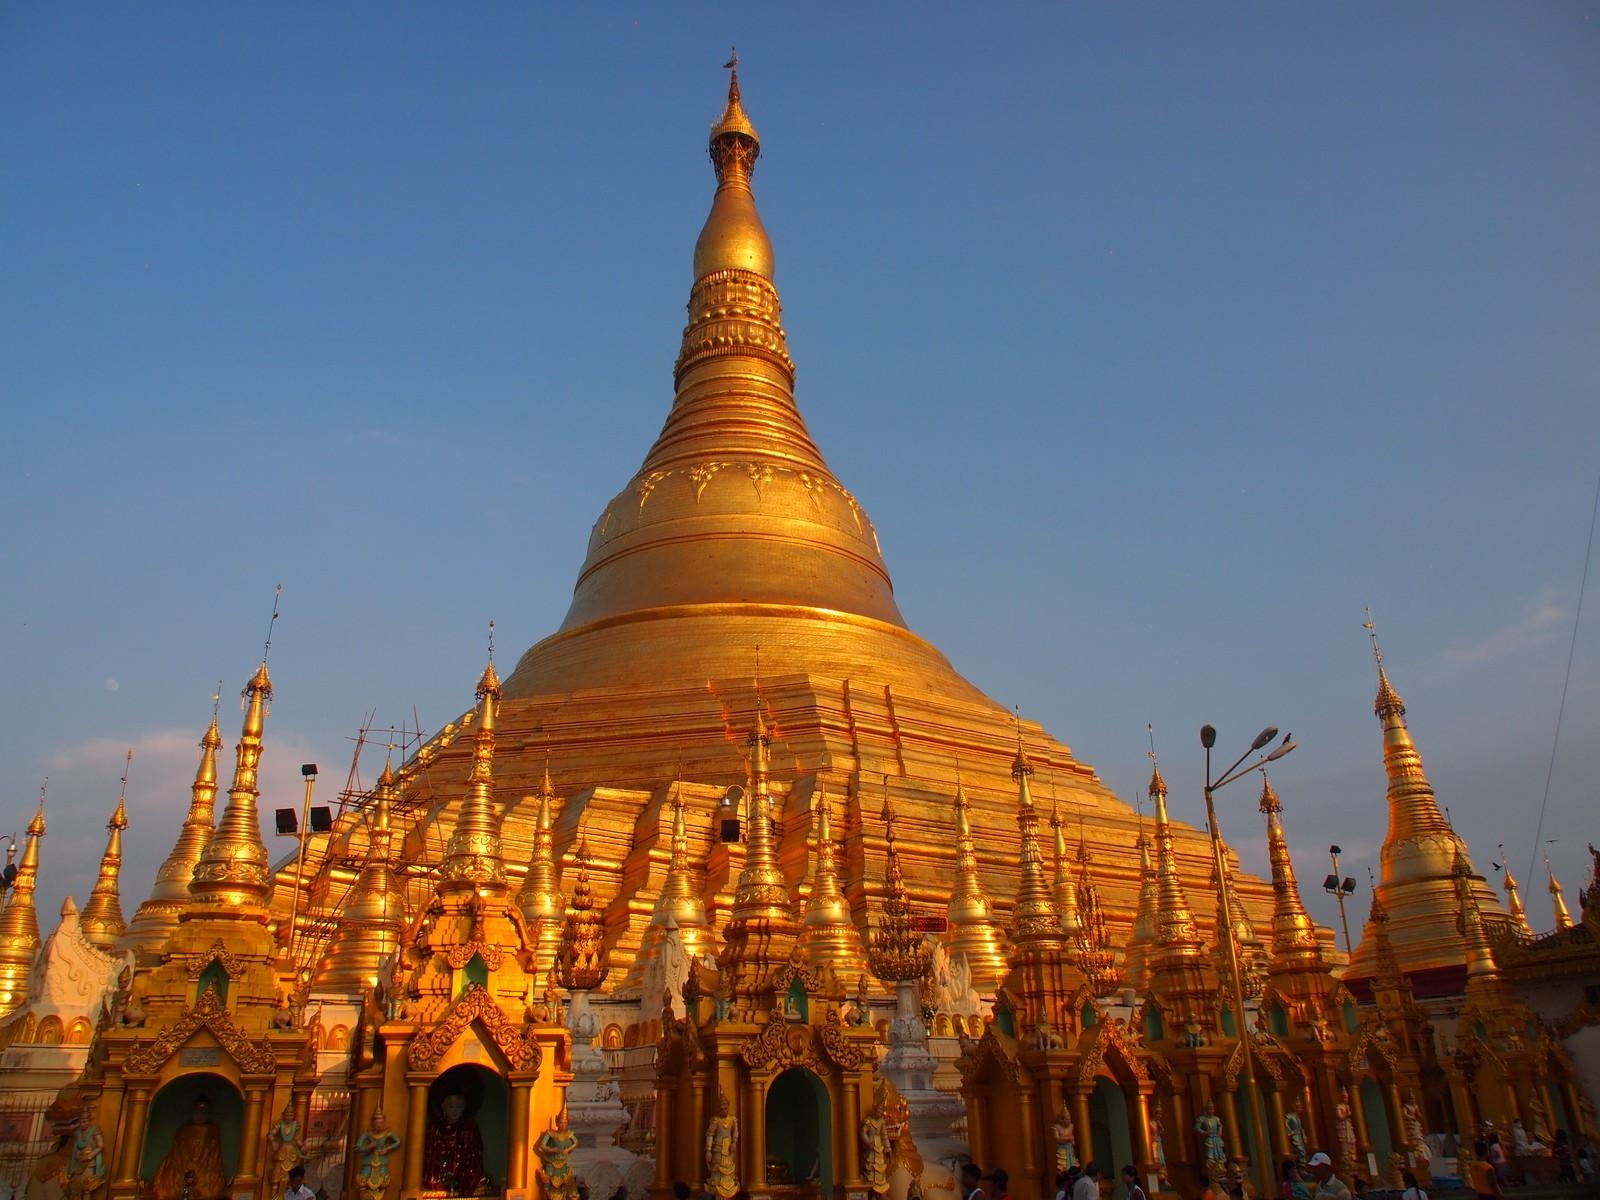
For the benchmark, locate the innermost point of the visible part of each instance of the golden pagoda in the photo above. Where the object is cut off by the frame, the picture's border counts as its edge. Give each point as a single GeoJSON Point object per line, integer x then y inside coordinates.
{"type": "Point", "coordinates": [1417, 885]}
{"type": "Point", "coordinates": [101, 920]}
{"type": "Point", "coordinates": [19, 922]}
{"type": "Point", "coordinates": [157, 917]}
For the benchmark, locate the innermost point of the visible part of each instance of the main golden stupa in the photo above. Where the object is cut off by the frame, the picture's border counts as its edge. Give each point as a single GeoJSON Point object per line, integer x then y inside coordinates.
{"type": "Point", "coordinates": [734, 562]}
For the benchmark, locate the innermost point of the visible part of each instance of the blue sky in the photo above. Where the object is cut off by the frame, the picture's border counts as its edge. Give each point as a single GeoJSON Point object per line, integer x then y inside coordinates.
{"type": "Point", "coordinates": [1158, 340]}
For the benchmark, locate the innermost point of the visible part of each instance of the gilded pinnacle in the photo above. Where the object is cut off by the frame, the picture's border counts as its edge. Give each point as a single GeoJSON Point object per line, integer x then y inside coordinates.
{"type": "Point", "coordinates": [157, 917]}
{"type": "Point", "coordinates": [102, 921]}
{"type": "Point", "coordinates": [898, 952]}
{"type": "Point", "coordinates": [19, 922]}
{"type": "Point", "coordinates": [473, 857]}
{"type": "Point", "coordinates": [1294, 936]}
{"type": "Point", "coordinates": [974, 932]}
{"type": "Point", "coordinates": [1557, 900]}
{"type": "Point", "coordinates": [232, 872]}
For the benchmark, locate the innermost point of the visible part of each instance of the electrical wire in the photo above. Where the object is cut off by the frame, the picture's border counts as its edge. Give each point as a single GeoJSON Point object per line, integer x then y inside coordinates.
{"type": "Point", "coordinates": [1561, 711]}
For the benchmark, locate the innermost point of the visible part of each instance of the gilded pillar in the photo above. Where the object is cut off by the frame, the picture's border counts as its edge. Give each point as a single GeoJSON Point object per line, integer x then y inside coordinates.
{"type": "Point", "coordinates": [519, 1119]}
{"type": "Point", "coordinates": [1080, 1118]}
{"type": "Point", "coordinates": [758, 1128]}
{"type": "Point", "coordinates": [416, 1131]}
{"type": "Point", "coordinates": [1031, 1133]}
{"type": "Point", "coordinates": [666, 1096]}
{"type": "Point", "coordinates": [131, 1143]}
{"type": "Point", "coordinates": [1358, 1114]}
{"type": "Point", "coordinates": [255, 1106]}
{"type": "Point", "coordinates": [1230, 1126]}
{"type": "Point", "coordinates": [1143, 1152]}
{"type": "Point", "coordinates": [849, 1135]}
{"type": "Point", "coordinates": [1397, 1120]}
{"type": "Point", "coordinates": [1278, 1135]}
{"type": "Point", "coordinates": [699, 1101]}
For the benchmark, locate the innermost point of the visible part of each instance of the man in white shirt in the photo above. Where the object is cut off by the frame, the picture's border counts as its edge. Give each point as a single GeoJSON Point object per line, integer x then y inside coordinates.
{"type": "Point", "coordinates": [1088, 1185]}
{"type": "Point", "coordinates": [1329, 1185]}
{"type": "Point", "coordinates": [297, 1189]}
{"type": "Point", "coordinates": [971, 1181]}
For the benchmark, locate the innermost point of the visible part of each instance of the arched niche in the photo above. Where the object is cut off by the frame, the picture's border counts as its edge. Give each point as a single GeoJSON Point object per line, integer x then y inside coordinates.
{"type": "Point", "coordinates": [800, 1128]}
{"type": "Point", "coordinates": [485, 1098]}
{"type": "Point", "coordinates": [173, 1107]}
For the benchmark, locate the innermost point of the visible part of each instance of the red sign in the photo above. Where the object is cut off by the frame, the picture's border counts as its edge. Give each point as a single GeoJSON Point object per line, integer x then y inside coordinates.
{"type": "Point", "coordinates": [929, 924]}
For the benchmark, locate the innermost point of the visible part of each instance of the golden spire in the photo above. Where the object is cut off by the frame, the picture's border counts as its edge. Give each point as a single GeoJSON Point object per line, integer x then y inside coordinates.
{"type": "Point", "coordinates": [1092, 944]}
{"type": "Point", "coordinates": [733, 237]}
{"type": "Point", "coordinates": [233, 871]}
{"type": "Point", "coordinates": [759, 933]}
{"type": "Point", "coordinates": [1034, 918]}
{"type": "Point", "coordinates": [1142, 938]}
{"type": "Point", "coordinates": [581, 960]}
{"type": "Point", "coordinates": [157, 917]}
{"type": "Point", "coordinates": [473, 857]}
{"type": "Point", "coordinates": [539, 899]}
{"type": "Point", "coordinates": [1469, 922]}
{"type": "Point", "coordinates": [19, 922]}
{"type": "Point", "coordinates": [898, 951]}
{"type": "Point", "coordinates": [1253, 957]}
{"type": "Point", "coordinates": [974, 932]}
{"type": "Point", "coordinates": [678, 906]}
{"type": "Point", "coordinates": [1519, 915]}
{"type": "Point", "coordinates": [1176, 933]}
{"type": "Point", "coordinates": [1065, 889]}
{"type": "Point", "coordinates": [761, 892]}
{"type": "Point", "coordinates": [1419, 850]}
{"type": "Point", "coordinates": [371, 923]}
{"type": "Point", "coordinates": [1294, 937]}
{"type": "Point", "coordinates": [828, 933]}
{"type": "Point", "coordinates": [102, 921]}
{"type": "Point", "coordinates": [733, 473]}
{"type": "Point", "coordinates": [1557, 900]}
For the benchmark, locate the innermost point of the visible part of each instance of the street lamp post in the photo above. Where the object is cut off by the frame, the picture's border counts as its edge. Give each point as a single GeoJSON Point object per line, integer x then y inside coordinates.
{"type": "Point", "coordinates": [1208, 737]}
{"type": "Point", "coordinates": [309, 772]}
{"type": "Point", "coordinates": [1339, 886]}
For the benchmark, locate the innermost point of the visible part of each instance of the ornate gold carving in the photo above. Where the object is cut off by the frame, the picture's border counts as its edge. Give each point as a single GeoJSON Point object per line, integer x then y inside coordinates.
{"type": "Point", "coordinates": [460, 955]}
{"type": "Point", "coordinates": [842, 1050]}
{"type": "Point", "coordinates": [781, 1045]}
{"type": "Point", "coordinates": [218, 953]}
{"type": "Point", "coordinates": [475, 1005]}
{"type": "Point", "coordinates": [1108, 1041]}
{"type": "Point", "coordinates": [253, 1058]}
{"type": "Point", "coordinates": [700, 474]}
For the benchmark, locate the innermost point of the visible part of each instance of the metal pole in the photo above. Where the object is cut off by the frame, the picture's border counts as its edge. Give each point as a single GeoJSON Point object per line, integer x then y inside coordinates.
{"type": "Point", "coordinates": [1262, 1158]}
{"type": "Point", "coordinates": [310, 772]}
{"type": "Point", "coordinates": [1338, 891]}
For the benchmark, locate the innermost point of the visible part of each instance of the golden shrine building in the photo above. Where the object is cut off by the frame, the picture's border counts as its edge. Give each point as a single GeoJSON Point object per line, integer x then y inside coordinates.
{"type": "Point", "coordinates": [648, 914]}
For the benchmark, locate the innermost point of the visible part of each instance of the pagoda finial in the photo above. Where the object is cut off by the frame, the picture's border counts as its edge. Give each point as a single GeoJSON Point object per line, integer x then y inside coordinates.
{"type": "Point", "coordinates": [581, 960]}
{"type": "Point", "coordinates": [1519, 915]}
{"type": "Point", "coordinates": [974, 931]}
{"type": "Point", "coordinates": [233, 872]}
{"type": "Point", "coordinates": [1065, 888]}
{"type": "Point", "coordinates": [19, 921]}
{"type": "Point", "coordinates": [1176, 933]}
{"type": "Point", "coordinates": [473, 857]}
{"type": "Point", "coordinates": [102, 921]}
{"type": "Point", "coordinates": [371, 923]}
{"type": "Point", "coordinates": [1469, 920]}
{"type": "Point", "coordinates": [539, 899]}
{"type": "Point", "coordinates": [1558, 901]}
{"type": "Point", "coordinates": [1034, 917]}
{"type": "Point", "coordinates": [898, 951]}
{"type": "Point", "coordinates": [1294, 937]}
{"type": "Point", "coordinates": [828, 933]}
{"type": "Point", "coordinates": [157, 917]}
{"type": "Point", "coordinates": [733, 237]}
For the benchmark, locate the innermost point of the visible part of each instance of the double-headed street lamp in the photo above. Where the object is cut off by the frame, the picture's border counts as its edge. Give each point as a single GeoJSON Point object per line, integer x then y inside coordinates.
{"type": "Point", "coordinates": [1208, 738]}
{"type": "Point", "coordinates": [1340, 886]}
